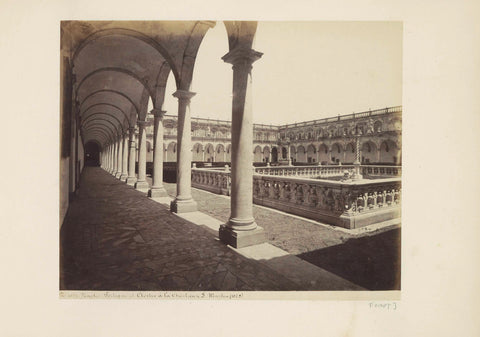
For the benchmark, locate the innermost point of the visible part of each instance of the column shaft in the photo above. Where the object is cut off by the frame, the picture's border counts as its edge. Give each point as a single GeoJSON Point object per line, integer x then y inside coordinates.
{"type": "Point", "coordinates": [184, 201]}
{"type": "Point", "coordinates": [131, 158]}
{"type": "Point", "coordinates": [241, 229]}
{"type": "Point", "coordinates": [141, 183]}
{"type": "Point", "coordinates": [115, 154]}
{"type": "Point", "coordinates": [157, 189]}
{"type": "Point", "coordinates": [124, 175]}
{"type": "Point", "coordinates": [119, 158]}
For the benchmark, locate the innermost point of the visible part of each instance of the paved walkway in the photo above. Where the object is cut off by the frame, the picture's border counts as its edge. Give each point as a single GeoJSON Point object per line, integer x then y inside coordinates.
{"type": "Point", "coordinates": [115, 238]}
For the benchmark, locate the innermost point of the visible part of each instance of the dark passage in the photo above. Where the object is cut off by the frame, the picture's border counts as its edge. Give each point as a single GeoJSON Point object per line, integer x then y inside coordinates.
{"type": "Point", "coordinates": [92, 154]}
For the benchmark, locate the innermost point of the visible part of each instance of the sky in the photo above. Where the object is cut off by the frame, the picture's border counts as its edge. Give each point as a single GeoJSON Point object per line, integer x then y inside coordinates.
{"type": "Point", "coordinates": [309, 70]}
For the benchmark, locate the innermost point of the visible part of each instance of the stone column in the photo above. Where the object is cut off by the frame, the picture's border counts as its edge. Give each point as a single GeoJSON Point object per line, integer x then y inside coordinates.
{"type": "Point", "coordinates": [131, 179]}
{"type": "Point", "coordinates": [184, 202]}
{"type": "Point", "coordinates": [114, 158]}
{"type": "Point", "coordinates": [119, 158]}
{"type": "Point", "coordinates": [141, 183]}
{"type": "Point", "coordinates": [105, 157]}
{"type": "Point", "coordinates": [108, 152]}
{"type": "Point", "coordinates": [241, 229]}
{"type": "Point", "coordinates": [110, 169]}
{"type": "Point", "coordinates": [157, 189]}
{"type": "Point", "coordinates": [124, 175]}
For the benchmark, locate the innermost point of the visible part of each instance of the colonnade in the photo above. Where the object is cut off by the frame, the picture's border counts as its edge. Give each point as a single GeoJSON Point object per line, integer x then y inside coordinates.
{"type": "Point", "coordinates": [118, 157]}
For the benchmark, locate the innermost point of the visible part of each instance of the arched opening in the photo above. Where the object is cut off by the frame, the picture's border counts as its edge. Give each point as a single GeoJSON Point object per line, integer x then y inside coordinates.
{"type": "Point", "coordinates": [266, 154]}
{"type": "Point", "coordinates": [301, 154]}
{"type": "Point", "coordinates": [323, 156]}
{"type": "Point", "coordinates": [311, 154]}
{"type": "Point", "coordinates": [274, 155]}
{"type": "Point", "coordinates": [197, 154]}
{"type": "Point", "coordinates": [220, 153]}
{"type": "Point", "coordinates": [337, 153]}
{"type": "Point", "coordinates": [389, 153]}
{"type": "Point", "coordinates": [209, 153]}
{"type": "Point", "coordinates": [293, 154]}
{"type": "Point", "coordinates": [172, 152]}
{"type": "Point", "coordinates": [149, 151]}
{"type": "Point", "coordinates": [369, 153]}
{"type": "Point", "coordinates": [258, 155]}
{"type": "Point", "coordinates": [92, 154]}
{"type": "Point", "coordinates": [350, 153]}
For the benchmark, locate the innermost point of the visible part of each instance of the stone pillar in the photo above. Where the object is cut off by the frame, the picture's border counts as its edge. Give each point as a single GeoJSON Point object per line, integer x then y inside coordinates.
{"type": "Point", "coordinates": [131, 179]}
{"type": "Point", "coordinates": [203, 153]}
{"type": "Point", "coordinates": [119, 158]}
{"type": "Point", "coordinates": [184, 202]}
{"type": "Point", "coordinates": [124, 175]}
{"type": "Point", "coordinates": [108, 153]}
{"type": "Point", "coordinates": [241, 229]}
{"type": "Point", "coordinates": [110, 169]}
{"type": "Point", "coordinates": [141, 183]}
{"type": "Point", "coordinates": [114, 158]}
{"type": "Point", "coordinates": [157, 189]}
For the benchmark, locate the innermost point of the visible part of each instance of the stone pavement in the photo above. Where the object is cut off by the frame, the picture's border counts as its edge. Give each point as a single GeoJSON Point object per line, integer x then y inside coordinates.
{"type": "Point", "coordinates": [115, 238]}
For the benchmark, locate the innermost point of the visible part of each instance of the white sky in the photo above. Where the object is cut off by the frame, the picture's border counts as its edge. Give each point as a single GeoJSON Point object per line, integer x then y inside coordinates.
{"type": "Point", "coordinates": [309, 70]}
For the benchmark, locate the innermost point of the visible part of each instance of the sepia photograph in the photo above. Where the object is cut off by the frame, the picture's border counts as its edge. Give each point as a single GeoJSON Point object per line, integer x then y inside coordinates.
{"type": "Point", "coordinates": [230, 156]}
{"type": "Point", "coordinates": [239, 168]}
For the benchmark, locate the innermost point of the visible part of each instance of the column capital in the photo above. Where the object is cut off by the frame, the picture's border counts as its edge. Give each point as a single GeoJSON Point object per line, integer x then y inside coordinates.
{"type": "Point", "coordinates": [242, 55]}
{"type": "Point", "coordinates": [158, 113]}
{"type": "Point", "coordinates": [184, 94]}
{"type": "Point", "coordinates": [143, 124]}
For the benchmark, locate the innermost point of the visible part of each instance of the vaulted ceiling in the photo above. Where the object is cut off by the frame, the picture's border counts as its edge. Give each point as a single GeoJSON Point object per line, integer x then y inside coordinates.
{"type": "Point", "coordinates": [117, 66]}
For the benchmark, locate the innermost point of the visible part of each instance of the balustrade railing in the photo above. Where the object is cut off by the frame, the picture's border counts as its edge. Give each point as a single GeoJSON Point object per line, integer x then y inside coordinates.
{"type": "Point", "coordinates": [325, 171]}
{"type": "Point", "coordinates": [213, 180]}
{"type": "Point", "coordinates": [346, 204]}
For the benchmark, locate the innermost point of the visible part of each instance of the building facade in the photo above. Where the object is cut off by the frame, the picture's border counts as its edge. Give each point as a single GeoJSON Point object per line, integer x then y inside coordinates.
{"type": "Point", "coordinates": [323, 141]}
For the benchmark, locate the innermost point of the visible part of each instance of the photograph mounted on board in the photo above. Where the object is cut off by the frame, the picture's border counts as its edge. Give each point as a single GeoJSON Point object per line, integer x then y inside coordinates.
{"type": "Point", "coordinates": [230, 156]}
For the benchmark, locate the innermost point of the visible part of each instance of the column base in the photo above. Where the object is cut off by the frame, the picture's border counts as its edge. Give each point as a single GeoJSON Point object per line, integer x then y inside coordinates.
{"type": "Point", "coordinates": [131, 181]}
{"type": "Point", "coordinates": [183, 206]}
{"type": "Point", "coordinates": [240, 239]}
{"type": "Point", "coordinates": [118, 175]}
{"type": "Point", "coordinates": [141, 185]}
{"type": "Point", "coordinates": [123, 177]}
{"type": "Point", "coordinates": [157, 192]}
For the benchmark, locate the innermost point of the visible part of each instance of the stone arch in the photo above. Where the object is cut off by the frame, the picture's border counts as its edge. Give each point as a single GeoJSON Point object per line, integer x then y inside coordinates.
{"type": "Point", "coordinates": [350, 153]}
{"type": "Point", "coordinates": [301, 154]}
{"type": "Point", "coordinates": [197, 152]}
{"type": "Point", "coordinates": [293, 153]}
{"type": "Point", "coordinates": [219, 153]}
{"type": "Point", "coordinates": [257, 154]}
{"type": "Point", "coordinates": [323, 154]}
{"type": "Point", "coordinates": [266, 154]}
{"type": "Point", "coordinates": [337, 153]}
{"type": "Point", "coordinates": [172, 152]}
{"type": "Point", "coordinates": [311, 154]}
{"type": "Point", "coordinates": [369, 153]}
{"type": "Point", "coordinates": [274, 154]}
{"type": "Point", "coordinates": [389, 153]}
{"type": "Point", "coordinates": [209, 153]}
{"type": "Point", "coordinates": [129, 33]}
{"type": "Point", "coordinates": [149, 151]}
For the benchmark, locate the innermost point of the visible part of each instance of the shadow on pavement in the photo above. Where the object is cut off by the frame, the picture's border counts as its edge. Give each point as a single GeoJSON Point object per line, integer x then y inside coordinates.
{"type": "Point", "coordinates": [372, 262]}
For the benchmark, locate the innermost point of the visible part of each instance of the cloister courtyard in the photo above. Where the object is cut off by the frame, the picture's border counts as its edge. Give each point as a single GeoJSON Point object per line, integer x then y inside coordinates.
{"type": "Point", "coordinates": [116, 238]}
